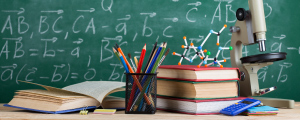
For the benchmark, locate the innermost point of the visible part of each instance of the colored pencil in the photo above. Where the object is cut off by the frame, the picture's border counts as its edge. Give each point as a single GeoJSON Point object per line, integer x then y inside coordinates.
{"type": "Point", "coordinates": [133, 65]}
{"type": "Point", "coordinates": [159, 57]}
{"type": "Point", "coordinates": [148, 71]}
{"type": "Point", "coordinates": [163, 58]}
{"type": "Point", "coordinates": [136, 81]}
{"type": "Point", "coordinates": [116, 53]}
{"type": "Point", "coordinates": [123, 62]}
{"type": "Point", "coordinates": [136, 93]}
{"type": "Point", "coordinates": [141, 59]}
{"type": "Point", "coordinates": [148, 81]}
{"type": "Point", "coordinates": [151, 59]}
{"type": "Point", "coordinates": [136, 61]}
{"type": "Point", "coordinates": [151, 54]}
{"type": "Point", "coordinates": [133, 89]}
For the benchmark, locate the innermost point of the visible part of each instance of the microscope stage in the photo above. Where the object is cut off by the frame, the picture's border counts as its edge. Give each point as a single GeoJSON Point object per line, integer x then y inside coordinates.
{"type": "Point", "coordinates": [262, 58]}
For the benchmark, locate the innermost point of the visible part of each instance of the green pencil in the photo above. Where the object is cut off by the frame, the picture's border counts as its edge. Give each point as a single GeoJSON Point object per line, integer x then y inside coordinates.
{"type": "Point", "coordinates": [116, 53]}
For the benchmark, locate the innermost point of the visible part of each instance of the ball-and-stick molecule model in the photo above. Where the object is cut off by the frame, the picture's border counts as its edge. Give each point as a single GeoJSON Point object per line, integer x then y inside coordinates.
{"type": "Point", "coordinates": [215, 60]}
{"type": "Point", "coordinates": [201, 52]}
{"type": "Point", "coordinates": [186, 47]}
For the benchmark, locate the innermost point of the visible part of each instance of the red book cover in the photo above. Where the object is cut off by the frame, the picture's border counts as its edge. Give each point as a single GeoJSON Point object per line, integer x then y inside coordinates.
{"type": "Point", "coordinates": [195, 68]}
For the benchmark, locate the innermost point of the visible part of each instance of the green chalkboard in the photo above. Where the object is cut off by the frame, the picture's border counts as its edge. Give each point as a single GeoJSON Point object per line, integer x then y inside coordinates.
{"type": "Point", "coordinates": [62, 42]}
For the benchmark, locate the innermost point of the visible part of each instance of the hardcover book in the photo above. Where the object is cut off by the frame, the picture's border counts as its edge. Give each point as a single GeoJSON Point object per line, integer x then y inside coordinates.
{"type": "Point", "coordinates": [195, 107]}
{"type": "Point", "coordinates": [193, 73]}
{"type": "Point", "coordinates": [197, 90]}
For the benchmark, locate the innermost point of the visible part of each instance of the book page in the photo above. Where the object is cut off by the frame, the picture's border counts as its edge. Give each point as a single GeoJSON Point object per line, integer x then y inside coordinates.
{"type": "Point", "coordinates": [45, 93]}
{"type": "Point", "coordinates": [95, 89]}
{"type": "Point", "coordinates": [53, 89]}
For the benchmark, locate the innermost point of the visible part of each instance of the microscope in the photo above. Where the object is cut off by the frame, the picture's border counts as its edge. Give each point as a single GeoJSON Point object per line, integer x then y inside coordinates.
{"type": "Point", "coordinates": [249, 29]}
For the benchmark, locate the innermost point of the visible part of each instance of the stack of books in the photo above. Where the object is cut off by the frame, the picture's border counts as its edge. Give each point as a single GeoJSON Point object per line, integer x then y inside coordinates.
{"type": "Point", "coordinates": [192, 90]}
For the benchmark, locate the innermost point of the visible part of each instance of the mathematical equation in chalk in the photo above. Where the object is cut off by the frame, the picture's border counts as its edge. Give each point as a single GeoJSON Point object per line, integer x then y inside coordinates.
{"type": "Point", "coordinates": [13, 72]}
{"type": "Point", "coordinates": [46, 39]}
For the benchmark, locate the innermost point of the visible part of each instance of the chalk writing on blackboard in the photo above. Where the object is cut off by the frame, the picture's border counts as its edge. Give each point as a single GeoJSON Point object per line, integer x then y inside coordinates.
{"type": "Point", "coordinates": [22, 10]}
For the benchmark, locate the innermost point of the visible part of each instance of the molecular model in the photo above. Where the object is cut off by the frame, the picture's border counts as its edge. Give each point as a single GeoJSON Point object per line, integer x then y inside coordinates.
{"type": "Point", "coordinates": [201, 52]}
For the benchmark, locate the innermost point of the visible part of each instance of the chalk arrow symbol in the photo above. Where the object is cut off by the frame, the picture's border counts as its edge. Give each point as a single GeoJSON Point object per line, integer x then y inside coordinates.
{"type": "Point", "coordinates": [280, 37]}
{"type": "Point", "coordinates": [228, 1]}
{"type": "Point", "coordinates": [173, 19]}
{"type": "Point", "coordinates": [12, 66]}
{"type": "Point", "coordinates": [119, 38]}
{"type": "Point", "coordinates": [90, 10]}
{"type": "Point", "coordinates": [196, 4]}
{"type": "Point", "coordinates": [22, 10]}
{"type": "Point", "coordinates": [126, 18]}
{"type": "Point", "coordinates": [33, 69]}
{"type": "Point", "coordinates": [17, 39]}
{"type": "Point", "coordinates": [54, 11]}
{"type": "Point", "coordinates": [292, 48]}
{"type": "Point", "coordinates": [150, 14]}
{"type": "Point", "coordinates": [79, 41]}
{"type": "Point", "coordinates": [201, 37]}
{"type": "Point", "coordinates": [62, 65]}
{"type": "Point", "coordinates": [51, 40]}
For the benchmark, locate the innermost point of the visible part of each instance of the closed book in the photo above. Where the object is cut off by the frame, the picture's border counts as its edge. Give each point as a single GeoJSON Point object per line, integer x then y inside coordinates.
{"type": "Point", "coordinates": [197, 90]}
{"type": "Point", "coordinates": [195, 107]}
{"type": "Point", "coordinates": [193, 73]}
{"type": "Point", "coordinates": [85, 95]}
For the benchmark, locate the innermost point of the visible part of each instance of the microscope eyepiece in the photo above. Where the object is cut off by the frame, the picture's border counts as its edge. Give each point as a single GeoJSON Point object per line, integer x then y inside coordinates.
{"type": "Point", "coordinates": [241, 14]}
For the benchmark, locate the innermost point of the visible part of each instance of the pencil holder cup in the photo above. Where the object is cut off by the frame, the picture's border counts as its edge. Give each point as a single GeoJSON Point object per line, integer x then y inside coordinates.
{"type": "Point", "coordinates": [141, 93]}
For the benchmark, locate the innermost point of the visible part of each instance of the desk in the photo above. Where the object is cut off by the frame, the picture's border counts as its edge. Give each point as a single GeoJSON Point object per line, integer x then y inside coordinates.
{"type": "Point", "coordinates": [13, 114]}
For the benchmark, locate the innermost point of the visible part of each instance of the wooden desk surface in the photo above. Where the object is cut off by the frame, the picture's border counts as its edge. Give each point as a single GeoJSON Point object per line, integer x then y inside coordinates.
{"type": "Point", "coordinates": [12, 113]}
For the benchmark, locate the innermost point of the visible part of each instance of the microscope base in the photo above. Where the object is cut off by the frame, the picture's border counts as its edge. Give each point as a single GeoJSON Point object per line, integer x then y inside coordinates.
{"type": "Point", "coordinates": [276, 102]}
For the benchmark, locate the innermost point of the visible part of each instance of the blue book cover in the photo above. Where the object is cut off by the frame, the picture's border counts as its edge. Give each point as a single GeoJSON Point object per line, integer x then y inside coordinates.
{"type": "Point", "coordinates": [261, 109]}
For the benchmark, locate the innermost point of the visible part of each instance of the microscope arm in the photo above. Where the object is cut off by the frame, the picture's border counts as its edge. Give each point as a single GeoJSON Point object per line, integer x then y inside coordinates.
{"type": "Point", "coordinates": [250, 29]}
{"type": "Point", "coordinates": [242, 35]}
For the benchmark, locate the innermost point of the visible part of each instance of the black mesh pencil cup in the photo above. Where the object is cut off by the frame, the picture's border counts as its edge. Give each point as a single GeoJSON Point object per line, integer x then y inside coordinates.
{"type": "Point", "coordinates": [140, 93]}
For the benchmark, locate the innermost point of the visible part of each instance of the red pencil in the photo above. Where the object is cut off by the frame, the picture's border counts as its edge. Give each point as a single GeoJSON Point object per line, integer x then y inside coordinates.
{"type": "Point", "coordinates": [141, 59]}
{"type": "Point", "coordinates": [137, 71]}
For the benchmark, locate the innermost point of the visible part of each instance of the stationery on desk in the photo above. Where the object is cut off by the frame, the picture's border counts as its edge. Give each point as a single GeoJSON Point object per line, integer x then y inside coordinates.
{"type": "Point", "coordinates": [123, 59]}
{"type": "Point", "coordinates": [143, 79]}
{"type": "Point", "coordinates": [151, 69]}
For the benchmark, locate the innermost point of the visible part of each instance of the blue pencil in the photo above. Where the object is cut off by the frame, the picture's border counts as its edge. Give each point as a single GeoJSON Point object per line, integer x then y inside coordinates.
{"type": "Point", "coordinates": [125, 66]}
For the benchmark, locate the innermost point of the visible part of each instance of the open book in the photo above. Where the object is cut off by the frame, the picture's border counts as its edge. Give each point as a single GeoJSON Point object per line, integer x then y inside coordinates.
{"type": "Point", "coordinates": [85, 95]}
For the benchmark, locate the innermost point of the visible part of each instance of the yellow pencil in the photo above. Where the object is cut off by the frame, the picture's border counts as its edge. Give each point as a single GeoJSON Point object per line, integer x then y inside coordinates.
{"type": "Point", "coordinates": [137, 63]}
